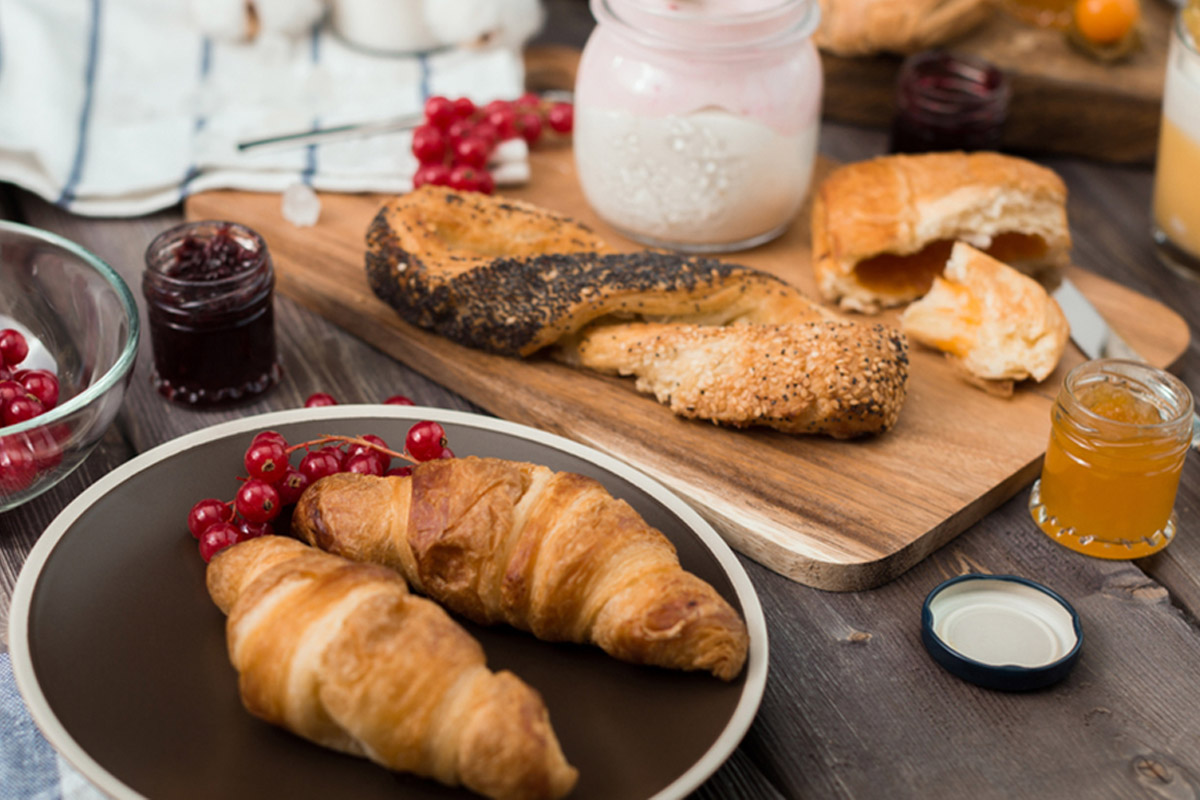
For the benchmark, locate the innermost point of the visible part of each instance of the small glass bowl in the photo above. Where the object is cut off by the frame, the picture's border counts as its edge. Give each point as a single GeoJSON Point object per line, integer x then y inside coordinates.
{"type": "Point", "coordinates": [81, 323]}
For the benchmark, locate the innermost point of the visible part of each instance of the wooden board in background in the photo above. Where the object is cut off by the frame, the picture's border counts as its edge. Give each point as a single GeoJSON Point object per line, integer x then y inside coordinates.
{"type": "Point", "coordinates": [832, 514]}
{"type": "Point", "coordinates": [1063, 102]}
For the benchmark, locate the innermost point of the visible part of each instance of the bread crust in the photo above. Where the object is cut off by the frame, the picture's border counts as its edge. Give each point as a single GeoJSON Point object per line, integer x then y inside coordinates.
{"type": "Point", "coordinates": [899, 205]}
{"type": "Point", "coordinates": [865, 27]}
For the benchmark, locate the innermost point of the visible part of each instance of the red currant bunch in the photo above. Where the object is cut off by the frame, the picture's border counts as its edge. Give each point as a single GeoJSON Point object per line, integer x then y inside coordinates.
{"type": "Point", "coordinates": [457, 139]}
{"type": "Point", "coordinates": [272, 485]}
{"type": "Point", "coordinates": [25, 394]}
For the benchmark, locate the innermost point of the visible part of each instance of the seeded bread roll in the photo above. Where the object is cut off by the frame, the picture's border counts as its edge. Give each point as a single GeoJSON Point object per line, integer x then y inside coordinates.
{"type": "Point", "coordinates": [515, 279]}
{"type": "Point", "coordinates": [883, 229]}
{"type": "Point", "coordinates": [1000, 326]}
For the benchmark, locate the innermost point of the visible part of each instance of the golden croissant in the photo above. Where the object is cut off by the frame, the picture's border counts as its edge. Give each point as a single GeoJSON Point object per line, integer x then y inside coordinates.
{"type": "Point", "coordinates": [552, 553]}
{"type": "Point", "coordinates": [342, 654]}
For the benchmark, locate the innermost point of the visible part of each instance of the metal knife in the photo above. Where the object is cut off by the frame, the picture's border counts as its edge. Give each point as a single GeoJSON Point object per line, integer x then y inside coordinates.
{"type": "Point", "coordinates": [1095, 338]}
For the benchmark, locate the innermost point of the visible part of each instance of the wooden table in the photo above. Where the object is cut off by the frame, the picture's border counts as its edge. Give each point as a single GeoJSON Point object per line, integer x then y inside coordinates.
{"type": "Point", "coordinates": [854, 707]}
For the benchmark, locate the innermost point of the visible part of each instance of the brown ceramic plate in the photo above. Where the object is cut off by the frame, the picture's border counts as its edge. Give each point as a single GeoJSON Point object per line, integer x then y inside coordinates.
{"type": "Point", "coordinates": [120, 654]}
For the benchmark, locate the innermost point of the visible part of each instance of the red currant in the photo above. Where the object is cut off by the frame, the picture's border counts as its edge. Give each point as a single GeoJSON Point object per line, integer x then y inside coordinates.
{"type": "Point", "coordinates": [257, 501]}
{"type": "Point", "coordinates": [432, 175]}
{"type": "Point", "coordinates": [9, 391]}
{"type": "Point", "coordinates": [463, 107]}
{"type": "Point", "coordinates": [445, 452]}
{"type": "Point", "coordinates": [23, 408]}
{"type": "Point", "coordinates": [528, 101]}
{"type": "Point", "coordinates": [13, 347]}
{"type": "Point", "coordinates": [486, 183]}
{"type": "Point", "coordinates": [383, 459]}
{"type": "Point", "coordinates": [487, 132]}
{"type": "Point", "coordinates": [318, 464]}
{"type": "Point", "coordinates": [530, 128]}
{"type": "Point", "coordinates": [465, 179]}
{"type": "Point", "coordinates": [266, 461]}
{"type": "Point", "coordinates": [399, 400]}
{"type": "Point", "coordinates": [41, 384]}
{"type": "Point", "coordinates": [459, 130]}
{"type": "Point", "coordinates": [429, 144]}
{"type": "Point", "coordinates": [18, 468]}
{"type": "Point", "coordinates": [503, 120]}
{"type": "Point", "coordinates": [217, 538]}
{"type": "Point", "coordinates": [270, 436]}
{"type": "Point", "coordinates": [473, 152]}
{"type": "Point", "coordinates": [425, 440]}
{"type": "Point", "coordinates": [561, 117]}
{"type": "Point", "coordinates": [205, 514]}
{"type": "Point", "coordinates": [399, 472]}
{"type": "Point", "coordinates": [319, 399]}
{"type": "Point", "coordinates": [364, 464]}
{"type": "Point", "coordinates": [292, 486]}
{"type": "Point", "coordinates": [250, 530]}
{"type": "Point", "coordinates": [439, 111]}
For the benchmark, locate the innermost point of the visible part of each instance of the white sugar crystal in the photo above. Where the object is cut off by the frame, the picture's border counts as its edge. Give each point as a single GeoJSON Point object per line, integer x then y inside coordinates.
{"type": "Point", "coordinates": [301, 206]}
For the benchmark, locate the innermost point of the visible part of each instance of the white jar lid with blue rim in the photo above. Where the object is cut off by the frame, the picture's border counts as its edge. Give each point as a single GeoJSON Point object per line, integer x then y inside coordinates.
{"type": "Point", "coordinates": [1001, 631]}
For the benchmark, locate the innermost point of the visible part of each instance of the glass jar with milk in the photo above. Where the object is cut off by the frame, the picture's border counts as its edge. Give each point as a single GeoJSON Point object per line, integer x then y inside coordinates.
{"type": "Point", "coordinates": [696, 120]}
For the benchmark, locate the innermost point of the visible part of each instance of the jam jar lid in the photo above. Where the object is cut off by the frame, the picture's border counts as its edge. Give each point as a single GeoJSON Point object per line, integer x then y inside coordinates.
{"type": "Point", "coordinates": [1001, 631]}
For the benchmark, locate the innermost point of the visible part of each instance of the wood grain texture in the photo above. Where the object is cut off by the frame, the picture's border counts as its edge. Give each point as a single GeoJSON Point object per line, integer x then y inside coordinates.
{"type": "Point", "coordinates": [1062, 101]}
{"type": "Point", "coordinates": [831, 514]}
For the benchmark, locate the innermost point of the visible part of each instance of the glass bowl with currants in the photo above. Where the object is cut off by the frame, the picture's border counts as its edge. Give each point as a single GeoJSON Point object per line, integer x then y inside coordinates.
{"type": "Point", "coordinates": [68, 339]}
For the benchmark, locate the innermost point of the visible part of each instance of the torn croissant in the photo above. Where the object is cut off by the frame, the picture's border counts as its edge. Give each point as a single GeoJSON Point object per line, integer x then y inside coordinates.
{"type": "Point", "coordinates": [342, 654]}
{"type": "Point", "coordinates": [552, 553]}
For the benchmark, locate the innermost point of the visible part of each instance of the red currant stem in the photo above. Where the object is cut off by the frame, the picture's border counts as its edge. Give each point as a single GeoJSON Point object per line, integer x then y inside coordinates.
{"type": "Point", "coordinates": [329, 438]}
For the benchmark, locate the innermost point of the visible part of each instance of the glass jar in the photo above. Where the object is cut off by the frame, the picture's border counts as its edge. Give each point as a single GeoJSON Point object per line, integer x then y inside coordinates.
{"type": "Point", "coordinates": [1176, 228]}
{"type": "Point", "coordinates": [696, 123]}
{"type": "Point", "coordinates": [947, 102]}
{"type": "Point", "coordinates": [1120, 431]}
{"type": "Point", "coordinates": [209, 289]}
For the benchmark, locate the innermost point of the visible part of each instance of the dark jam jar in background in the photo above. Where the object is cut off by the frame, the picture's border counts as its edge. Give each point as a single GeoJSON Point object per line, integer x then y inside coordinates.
{"type": "Point", "coordinates": [209, 292]}
{"type": "Point", "coordinates": [947, 102]}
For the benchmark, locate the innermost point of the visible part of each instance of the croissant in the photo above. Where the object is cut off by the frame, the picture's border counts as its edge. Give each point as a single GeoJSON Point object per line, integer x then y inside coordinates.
{"type": "Point", "coordinates": [342, 654]}
{"type": "Point", "coordinates": [552, 553]}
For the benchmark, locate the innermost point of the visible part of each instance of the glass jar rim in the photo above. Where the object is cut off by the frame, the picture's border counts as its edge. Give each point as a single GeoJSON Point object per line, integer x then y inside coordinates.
{"type": "Point", "coordinates": [124, 361]}
{"type": "Point", "coordinates": [804, 27]}
{"type": "Point", "coordinates": [164, 279]}
{"type": "Point", "coordinates": [1144, 372]}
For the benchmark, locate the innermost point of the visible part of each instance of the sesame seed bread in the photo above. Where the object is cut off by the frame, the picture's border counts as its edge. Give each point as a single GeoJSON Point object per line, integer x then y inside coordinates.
{"type": "Point", "coordinates": [515, 279]}
{"type": "Point", "coordinates": [1000, 326]}
{"type": "Point", "coordinates": [882, 229]}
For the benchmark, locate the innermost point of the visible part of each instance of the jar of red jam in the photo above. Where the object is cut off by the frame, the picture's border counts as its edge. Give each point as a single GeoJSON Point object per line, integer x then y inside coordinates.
{"type": "Point", "coordinates": [209, 289]}
{"type": "Point", "coordinates": [949, 102]}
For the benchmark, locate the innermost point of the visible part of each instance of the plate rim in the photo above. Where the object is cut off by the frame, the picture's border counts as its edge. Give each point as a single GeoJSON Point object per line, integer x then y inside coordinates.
{"type": "Point", "coordinates": [61, 740]}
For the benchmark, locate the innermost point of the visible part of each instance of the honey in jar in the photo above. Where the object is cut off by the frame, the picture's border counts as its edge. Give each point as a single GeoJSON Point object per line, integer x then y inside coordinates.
{"type": "Point", "coordinates": [1120, 432]}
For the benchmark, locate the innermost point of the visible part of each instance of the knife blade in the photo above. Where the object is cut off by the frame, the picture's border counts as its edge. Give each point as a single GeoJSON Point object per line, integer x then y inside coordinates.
{"type": "Point", "coordinates": [1095, 338]}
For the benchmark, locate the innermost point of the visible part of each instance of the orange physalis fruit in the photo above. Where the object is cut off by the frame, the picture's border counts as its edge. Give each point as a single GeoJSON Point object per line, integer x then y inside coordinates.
{"type": "Point", "coordinates": [1106, 21]}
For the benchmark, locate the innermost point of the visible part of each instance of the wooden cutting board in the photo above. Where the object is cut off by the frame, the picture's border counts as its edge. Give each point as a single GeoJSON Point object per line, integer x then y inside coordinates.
{"type": "Point", "coordinates": [1062, 100]}
{"type": "Point", "coordinates": [839, 515]}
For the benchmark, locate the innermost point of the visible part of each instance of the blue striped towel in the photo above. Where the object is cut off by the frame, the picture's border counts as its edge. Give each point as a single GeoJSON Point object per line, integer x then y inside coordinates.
{"type": "Point", "coordinates": [123, 107]}
{"type": "Point", "coordinates": [29, 767]}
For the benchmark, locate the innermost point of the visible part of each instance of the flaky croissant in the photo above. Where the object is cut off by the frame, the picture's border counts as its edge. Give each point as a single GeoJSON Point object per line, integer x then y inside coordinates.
{"type": "Point", "coordinates": [342, 654]}
{"type": "Point", "coordinates": [549, 552]}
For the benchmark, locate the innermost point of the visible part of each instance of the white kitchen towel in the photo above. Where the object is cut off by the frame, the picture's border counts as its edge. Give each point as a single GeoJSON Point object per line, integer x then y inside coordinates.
{"type": "Point", "coordinates": [122, 107]}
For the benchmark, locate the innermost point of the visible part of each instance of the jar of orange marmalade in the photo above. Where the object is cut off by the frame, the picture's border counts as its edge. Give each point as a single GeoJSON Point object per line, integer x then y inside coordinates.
{"type": "Point", "coordinates": [1120, 431]}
